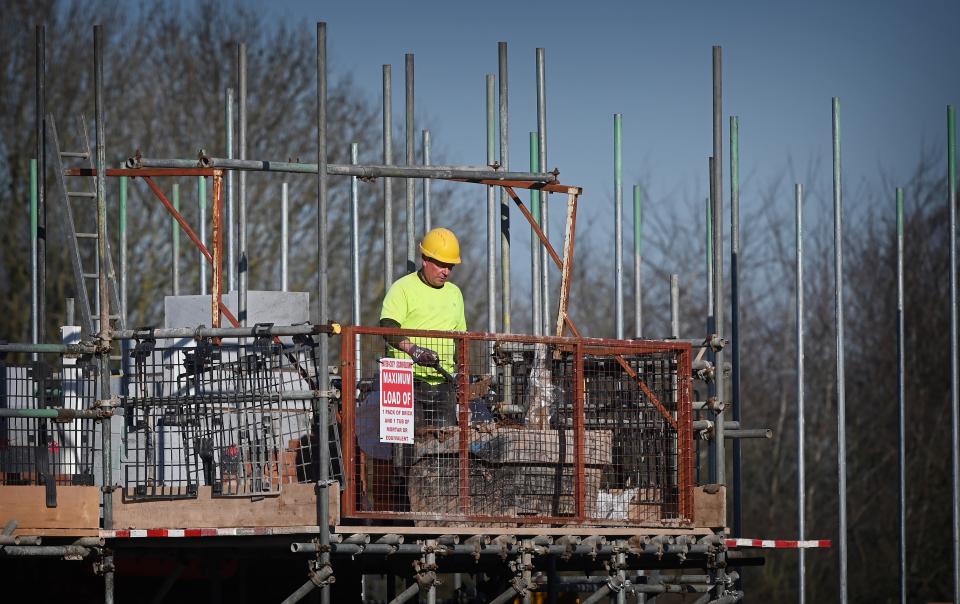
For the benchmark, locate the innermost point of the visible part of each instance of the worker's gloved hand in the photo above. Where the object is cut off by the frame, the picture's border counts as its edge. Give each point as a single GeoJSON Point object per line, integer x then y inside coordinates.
{"type": "Point", "coordinates": [424, 356]}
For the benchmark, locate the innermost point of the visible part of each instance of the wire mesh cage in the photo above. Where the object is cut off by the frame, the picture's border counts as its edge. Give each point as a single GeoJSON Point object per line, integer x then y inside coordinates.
{"type": "Point", "coordinates": [516, 429]}
{"type": "Point", "coordinates": [235, 417]}
{"type": "Point", "coordinates": [34, 450]}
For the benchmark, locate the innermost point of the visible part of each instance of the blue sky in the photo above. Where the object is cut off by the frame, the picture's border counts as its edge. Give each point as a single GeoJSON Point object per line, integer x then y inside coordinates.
{"type": "Point", "coordinates": [894, 65]}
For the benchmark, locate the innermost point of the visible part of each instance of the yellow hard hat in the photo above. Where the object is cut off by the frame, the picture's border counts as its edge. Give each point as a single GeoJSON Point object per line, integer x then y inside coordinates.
{"type": "Point", "coordinates": [441, 244]}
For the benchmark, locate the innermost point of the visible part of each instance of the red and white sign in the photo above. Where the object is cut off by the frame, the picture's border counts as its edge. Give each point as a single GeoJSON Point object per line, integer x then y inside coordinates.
{"type": "Point", "coordinates": [396, 401]}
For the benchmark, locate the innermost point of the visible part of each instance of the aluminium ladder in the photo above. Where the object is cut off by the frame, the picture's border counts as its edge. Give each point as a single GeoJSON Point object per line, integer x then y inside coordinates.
{"type": "Point", "coordinates": [79, 242]}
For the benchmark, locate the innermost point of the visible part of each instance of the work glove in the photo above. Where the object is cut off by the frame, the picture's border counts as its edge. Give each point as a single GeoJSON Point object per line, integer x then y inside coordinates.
{"type": "Point", "coordinates": [424, 356]}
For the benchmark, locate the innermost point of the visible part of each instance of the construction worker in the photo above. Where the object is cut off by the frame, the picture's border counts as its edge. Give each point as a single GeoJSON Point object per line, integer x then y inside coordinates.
{"type": "Point", "coordinates": [422, 300]}
{"type": "Point", "coordinates": [427, 300]}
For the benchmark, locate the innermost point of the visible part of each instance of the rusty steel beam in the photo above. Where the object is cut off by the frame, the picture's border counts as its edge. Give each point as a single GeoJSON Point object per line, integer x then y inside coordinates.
{"type": "Point", "coordinates": [195, 239]}
{"type": "Point", "coordinates": [536, 227]}
{"type": "Point", "coordinates": [464, 421]}
{"type": "Point", "coordinates": [217, 218]}
{"type": "Point", "coordinates": [348, 372]}
{"type": "Point", "coordinates": [646, 390]}
{"type": "Point", "coordinates": [567, 269]}
{"type": "Point", "coordinates": [579, 436]}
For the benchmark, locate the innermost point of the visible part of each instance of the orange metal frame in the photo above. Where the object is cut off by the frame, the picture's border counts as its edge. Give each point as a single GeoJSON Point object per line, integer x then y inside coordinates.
{"type": "Point", "coordinates": [580, 347]}
{"type": "Point", "coordinates": [214, 255]}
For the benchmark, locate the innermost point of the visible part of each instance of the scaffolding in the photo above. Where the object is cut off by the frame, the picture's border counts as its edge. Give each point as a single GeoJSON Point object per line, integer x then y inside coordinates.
{"type": "Point", "coordinates": [551, 462]}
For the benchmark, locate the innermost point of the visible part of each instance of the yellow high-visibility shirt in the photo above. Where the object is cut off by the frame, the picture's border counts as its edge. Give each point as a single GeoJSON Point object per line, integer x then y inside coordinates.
{"type": "Point", "coordinates": [415, 305]}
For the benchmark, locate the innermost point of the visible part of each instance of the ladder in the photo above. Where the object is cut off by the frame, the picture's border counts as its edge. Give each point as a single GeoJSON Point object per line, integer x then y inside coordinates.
{"type": "Point", "coordinates": [84, 244]}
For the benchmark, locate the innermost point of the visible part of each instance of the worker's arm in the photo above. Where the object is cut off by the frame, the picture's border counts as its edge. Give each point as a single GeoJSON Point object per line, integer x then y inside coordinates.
{"type": "Point", "coordinates": [399, 342]}
{"type": "Point", "coordinates": [419, 354]}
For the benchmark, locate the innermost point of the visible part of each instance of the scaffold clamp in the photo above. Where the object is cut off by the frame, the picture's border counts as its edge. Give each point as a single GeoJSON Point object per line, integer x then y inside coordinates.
{"type": "Point", "coordinates": [321, 573]}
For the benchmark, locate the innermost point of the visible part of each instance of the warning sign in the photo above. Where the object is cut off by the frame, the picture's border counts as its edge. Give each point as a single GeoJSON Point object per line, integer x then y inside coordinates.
{"type": "Point", "coordinates": [396, 401]}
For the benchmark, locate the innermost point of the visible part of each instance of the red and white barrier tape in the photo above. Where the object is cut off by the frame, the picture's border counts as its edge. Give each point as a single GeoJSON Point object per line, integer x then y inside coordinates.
{"type": "Point", "coordinates": [777, 543]}
{"type": "Point", "coordinates": [299, 530]}
{"type": "Point", "coordinates": [208, 532]}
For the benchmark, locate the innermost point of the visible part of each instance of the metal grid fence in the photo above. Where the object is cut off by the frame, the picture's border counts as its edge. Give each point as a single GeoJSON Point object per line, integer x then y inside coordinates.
{"type": "Point", "coordinates": [35, 450]}
{"type": "Point", "coordinates": [518, 430]}
{"type": "Point", "coordinates": [236, 417]}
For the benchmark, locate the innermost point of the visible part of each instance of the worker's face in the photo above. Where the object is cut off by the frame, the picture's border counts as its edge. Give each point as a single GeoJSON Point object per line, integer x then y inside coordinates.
{"type": "Point", "coordinates": [435, 272]}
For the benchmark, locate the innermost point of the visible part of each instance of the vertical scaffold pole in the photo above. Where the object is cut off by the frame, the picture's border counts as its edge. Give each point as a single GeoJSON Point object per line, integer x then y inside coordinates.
{"type": "Point", "coordinates": [618, 220]}
{"type": "Point", "coordinates": [322, 372]}
{"type": "Point", "coordinates": [202, 203]}
{"type": "Point", "coordinates": [535, 245]}
{"type": "Point", "coordinates": [244, 267]}
{"type": "Point", "coordinates": [838, 315]}
{"type": "Point", "coordinates": [284, 237]}
{"type": "Point", "coordinates": [675, 306]}
{"type": "Point", "coordinates": [231, 216]}
{"type": "Point", "coordinates": [34, 308]}
{"type": "Point", "coordinates": [491, 210]}
{"type": "Point", "coordinates": [504, 199]}
{"type": "Point", "coordinates": [954, 378]}
{"type": "Point", "coordinates": [40, 255]}
{"type": "Point", "coordinates": [544, 196]}
{"type": "Point", "coordinates": [901, 405]}
{"type": "Point", "coordinates": [387, 182]}
{"type": "Point", "coordinates": [801, 465]}
{"type": "Point", "coordinates": [123, 250]}
{"type": "Point", "coordinates": [427, 212]}
{"type": "Point", "coordinates": [711, 324]}
{"type": "Point", "coordinates": [735, 402]}
{"type": "Point", "coordinates": [718, 301]}
{"type": "Point", "coordinates": [101, 183]}
{"type": "Point", "coordinates": [355, 268]}
{"type": "Point", "coordinates": [491, 144]}
{"type": "Point", "coordinates": [637, 262]}
{"type": "Point", "coordinates": [411, 160]}
{"type": "Point", "coordinates": [175, 230]}
{"type": "Point", "coordinates": [355, 235]}
{"type": "Point", "coordinates": [105, 333]}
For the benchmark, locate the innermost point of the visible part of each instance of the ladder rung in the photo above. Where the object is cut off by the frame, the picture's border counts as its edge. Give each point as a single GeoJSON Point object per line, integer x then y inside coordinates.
{"type": "Point", "coordinates": [91, 275]}
{"type": "Point", "coordinates": [81, 194]}
{"type": "Point", "coordinates": [80, 154]}
{"type": "Point", "coordinates": [87, 235]}
{"type": "Point", "coordinates": [113, 317]}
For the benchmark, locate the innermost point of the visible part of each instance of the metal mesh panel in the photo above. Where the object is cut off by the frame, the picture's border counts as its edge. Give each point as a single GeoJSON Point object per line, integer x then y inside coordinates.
{"type": "Point", "coordinates": [235, 417]}
{"type": "Point", "coordinates": [33, 450]}
{"type": "Point", "coordinates": [636, 397]}
{"type": "Point", "coordinates": [520, 430]}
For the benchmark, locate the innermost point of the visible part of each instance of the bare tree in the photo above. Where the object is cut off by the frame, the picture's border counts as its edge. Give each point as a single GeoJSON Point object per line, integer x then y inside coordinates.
{"type": "Point", "coordinates": [166, 70]}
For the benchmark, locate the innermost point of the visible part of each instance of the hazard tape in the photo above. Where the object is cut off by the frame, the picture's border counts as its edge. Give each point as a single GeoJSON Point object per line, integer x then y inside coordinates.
{"type": "Point", "coordinates": [208, 532]}
{"type": "Point", "coordinates": [778, 543]}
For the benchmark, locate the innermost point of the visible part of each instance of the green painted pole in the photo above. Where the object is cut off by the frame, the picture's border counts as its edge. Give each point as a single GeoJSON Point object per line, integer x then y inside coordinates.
{"type": "Point", "coordinates": [534, 163]}
{"type": "Point", "coordinates": [202, 198]}
{"type": "Point", "coordinates": [176, 241]}
{"type": "Point", "coordinates": [637, 261]}
{"type": "Point", "coordinates": [52, 413]}
{"type": "Point", "coordinates": [535, 246]}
